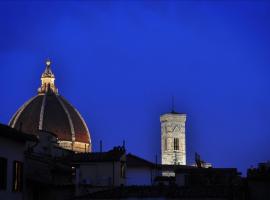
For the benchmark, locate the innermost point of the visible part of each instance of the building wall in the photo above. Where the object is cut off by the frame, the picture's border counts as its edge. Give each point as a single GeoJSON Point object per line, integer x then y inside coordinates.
{"type": "Point", "coordinates": [139, 176]}
{"type": "Point", "coordinates": [180, 179]}
{"type": "Point", "coordinates": [173, 126]}
{"type": "Point", "coordinates": [47, 177]}
{"type": "Point", "coordinates": [207, 177]}
{"type": "Point", "coordinates": [101, 174]}
{"type": "Point", "coordinates": [12, 151]}
{"type": "Point", "coordinates": [96, 174]}
{"type": "Point", "coordinates": [167, 173]}
{"type": "Point", "coordinates": [118, 179]}
{"type": "Point", "coordinates": [259, 189]}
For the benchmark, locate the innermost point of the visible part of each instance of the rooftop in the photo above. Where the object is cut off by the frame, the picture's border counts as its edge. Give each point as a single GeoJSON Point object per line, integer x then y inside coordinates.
{"type": "Point", "coordinates": [135, 161]}
{"type": "Point", "coordinates": [196, 170]}
{"type": "Point", "coordinates": [14, 134]}
{"type": "Point", "coordinates": [113, 155]}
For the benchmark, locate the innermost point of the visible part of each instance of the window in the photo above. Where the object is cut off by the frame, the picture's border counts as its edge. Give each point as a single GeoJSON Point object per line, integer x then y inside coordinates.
{"type": "Point", "coordinates": [123, 170]}
{"type": "Point", "coordinates": [165, 144]}
{"type": "Point", "coordinates": [17, 176]}
{"type": "Point", "coordinates": [3, 173]}
{"type": "Point", "coordinates": [176, 143]}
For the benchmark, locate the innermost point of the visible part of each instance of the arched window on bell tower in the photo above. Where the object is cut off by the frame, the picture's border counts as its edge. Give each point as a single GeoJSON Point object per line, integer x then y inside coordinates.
{"type": "Point", "coordinates": [176, 144]}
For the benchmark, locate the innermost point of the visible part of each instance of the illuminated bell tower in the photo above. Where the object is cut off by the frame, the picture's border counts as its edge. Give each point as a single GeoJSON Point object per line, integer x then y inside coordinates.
{"type": "Point", "coordinates": [173, 138]}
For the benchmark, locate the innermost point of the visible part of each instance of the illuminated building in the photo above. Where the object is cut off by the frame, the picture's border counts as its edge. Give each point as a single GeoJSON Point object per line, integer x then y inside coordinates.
{"type": "Point", "coordinates": [49, 111]}
{"type": "Point", "coordinates": [173, 139]}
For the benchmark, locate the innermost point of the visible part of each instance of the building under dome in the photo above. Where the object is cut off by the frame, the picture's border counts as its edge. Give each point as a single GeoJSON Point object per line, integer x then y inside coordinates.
{"type": "Point", "coordinates": [51, 112]}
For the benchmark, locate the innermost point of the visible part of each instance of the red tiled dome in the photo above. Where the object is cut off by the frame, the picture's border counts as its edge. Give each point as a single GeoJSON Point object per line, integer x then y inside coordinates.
{"type": "Point", "coordinates": [51, 112]}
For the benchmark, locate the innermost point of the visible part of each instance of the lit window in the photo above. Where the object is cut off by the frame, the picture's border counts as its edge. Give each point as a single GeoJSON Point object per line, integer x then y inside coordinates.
{"type": "Point", "coordinates": [17, 176]}
{"type": "Point", "coordinates": [3, 173]}
{"type": "Point", "coordinates": [176, 143]}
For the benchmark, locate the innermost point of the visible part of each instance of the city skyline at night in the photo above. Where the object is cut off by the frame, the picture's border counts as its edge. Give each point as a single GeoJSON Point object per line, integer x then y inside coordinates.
{"type": "Point", "coordinates": [120, 64]}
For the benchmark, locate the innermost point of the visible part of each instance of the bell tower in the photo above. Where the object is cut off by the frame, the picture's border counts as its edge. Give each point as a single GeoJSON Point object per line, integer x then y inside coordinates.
{"type": "Point", "coordinates": [173, 138]}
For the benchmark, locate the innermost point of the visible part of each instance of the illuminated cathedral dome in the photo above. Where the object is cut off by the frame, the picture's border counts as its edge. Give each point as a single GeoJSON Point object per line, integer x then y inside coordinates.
{"type": "Point", "coordinates": [51, 112]}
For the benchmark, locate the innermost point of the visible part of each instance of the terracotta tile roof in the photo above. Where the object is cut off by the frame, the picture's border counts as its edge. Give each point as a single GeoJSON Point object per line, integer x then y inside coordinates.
{"type": "Point", "coordinates": [55, 114]}
{"type": "Point", "coordinates": [112, 155]}
{"type": "Point", "coordinates": [11, 133]}
{"type": "Point", "coordinates": [135, 161]}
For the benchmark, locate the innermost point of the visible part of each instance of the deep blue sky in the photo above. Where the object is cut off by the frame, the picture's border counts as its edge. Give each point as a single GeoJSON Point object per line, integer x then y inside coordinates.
{"type": "Point", "coordinates": [120, 63]}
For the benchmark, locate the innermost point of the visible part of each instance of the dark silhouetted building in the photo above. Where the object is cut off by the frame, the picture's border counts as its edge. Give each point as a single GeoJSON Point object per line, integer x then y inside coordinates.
{"type": "Point", "coordinates": [258, 181]}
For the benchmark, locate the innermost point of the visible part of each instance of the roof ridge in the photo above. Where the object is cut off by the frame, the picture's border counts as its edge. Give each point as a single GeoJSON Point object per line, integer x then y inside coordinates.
{"type": "Point", "coordinates": [20, 110]}
{"type": "Point", "coordinates": [69, 118]}
{"type": "Point", "coordinates": [14, 133]}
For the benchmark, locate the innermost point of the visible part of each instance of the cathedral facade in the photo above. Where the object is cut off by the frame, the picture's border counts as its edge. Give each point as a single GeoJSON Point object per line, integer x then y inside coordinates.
{"type": "Point", "coordinates": [173, 139]}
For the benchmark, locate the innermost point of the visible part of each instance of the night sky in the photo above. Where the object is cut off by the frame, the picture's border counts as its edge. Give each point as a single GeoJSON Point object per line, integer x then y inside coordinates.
{"type": "Point", "coordinates": [120, 63]}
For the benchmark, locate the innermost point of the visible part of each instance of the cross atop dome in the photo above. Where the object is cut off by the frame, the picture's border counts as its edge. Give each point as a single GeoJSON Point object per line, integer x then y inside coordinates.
{"type": "Point", "coordinates": [48, 71]}
{"type": "Point", "coordinates": [47, 80]}
{"type": "Point", "coordinates": [48, 62]}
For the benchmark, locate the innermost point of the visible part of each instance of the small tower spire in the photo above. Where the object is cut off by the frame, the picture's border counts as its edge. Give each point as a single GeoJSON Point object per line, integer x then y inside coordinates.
{"type": "Point", "coordinates": [47, 80]}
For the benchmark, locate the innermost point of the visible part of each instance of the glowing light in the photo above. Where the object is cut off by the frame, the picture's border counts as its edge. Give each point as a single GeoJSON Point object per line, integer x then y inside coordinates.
{"type": "Point", "coordinates": [48, 62]}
